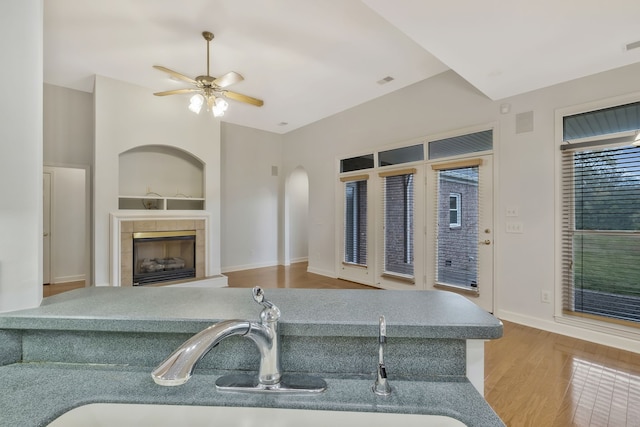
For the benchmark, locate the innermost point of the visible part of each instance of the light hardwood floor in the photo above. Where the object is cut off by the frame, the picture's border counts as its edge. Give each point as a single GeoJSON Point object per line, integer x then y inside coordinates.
{"type": "Point", "coordinates": [532, 377]}
{"type": "Point", "coordinates": [58, 288]}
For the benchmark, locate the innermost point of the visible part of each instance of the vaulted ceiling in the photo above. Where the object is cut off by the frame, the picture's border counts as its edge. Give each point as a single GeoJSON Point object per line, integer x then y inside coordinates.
{"type": "Point", "coordinates": [309, 59]}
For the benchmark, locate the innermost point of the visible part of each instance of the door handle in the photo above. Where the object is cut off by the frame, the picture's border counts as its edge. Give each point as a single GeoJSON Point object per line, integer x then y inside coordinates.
{"type": "Point", "coordinates": [45, 234]}
{"type": "Point", "coordinates": [486, 242]}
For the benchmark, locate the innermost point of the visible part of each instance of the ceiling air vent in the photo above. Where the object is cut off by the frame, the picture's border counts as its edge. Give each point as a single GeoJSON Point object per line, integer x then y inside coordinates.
{"type": "Point", "coordinates": [633, 45]}
{"type": "Point", "coordinates": [385, 80]}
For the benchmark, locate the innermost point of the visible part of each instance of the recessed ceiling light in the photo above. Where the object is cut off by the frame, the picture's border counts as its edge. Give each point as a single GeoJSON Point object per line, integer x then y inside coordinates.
{"type": "Point", "coordinates": [385, 80]}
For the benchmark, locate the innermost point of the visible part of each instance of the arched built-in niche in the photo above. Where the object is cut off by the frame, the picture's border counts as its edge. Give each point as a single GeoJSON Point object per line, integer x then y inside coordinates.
{"type": "Point", "coordinates": [160, 177]}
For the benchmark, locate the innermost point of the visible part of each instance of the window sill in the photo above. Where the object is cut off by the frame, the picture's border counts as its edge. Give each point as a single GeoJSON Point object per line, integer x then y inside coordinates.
{"type": "Point", "coordinates": [400, 277]}
{"type": "Point", "coordinates": [588, 323]}
{"type": "Point", "coordinates": [455, 288]}
{"type": "Point", "coordinates": [353, 264]}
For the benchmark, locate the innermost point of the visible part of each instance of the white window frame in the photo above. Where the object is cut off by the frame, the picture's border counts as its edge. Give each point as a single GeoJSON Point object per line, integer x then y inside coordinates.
{"type": "Point", "coordinates": [611, 333]}
{"type": "Point", "coordinates": [457, 210]}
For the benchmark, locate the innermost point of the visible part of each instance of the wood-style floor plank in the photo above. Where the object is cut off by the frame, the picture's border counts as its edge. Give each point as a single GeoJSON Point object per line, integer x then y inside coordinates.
{"type": "Point", "coordinates": [532, 377]}
{"type": "Point", "coordinates": [58, 288]}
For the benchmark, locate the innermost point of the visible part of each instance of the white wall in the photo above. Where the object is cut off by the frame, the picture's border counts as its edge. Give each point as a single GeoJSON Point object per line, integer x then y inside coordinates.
{"type": "Point", "coordinates": [128, 116]}
{"type": "Point", "coordinates": [442, 103]}
{"type": "Point", "coordinates": [525, 169]}
{"type": "Point", "coordinates": [250, 197]}
{"type": "Point", "coordinates": [21, 154]}
{"type": "Point", "coordinates": [69, 250]}
{"type": "Point", "coordinates": [297, 193]}
{"type": "Point", "coordinates": [68, 126]}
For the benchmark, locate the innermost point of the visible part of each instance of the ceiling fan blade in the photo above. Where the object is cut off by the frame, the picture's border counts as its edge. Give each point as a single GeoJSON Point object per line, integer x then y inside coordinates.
{"type": "Point", "coordinates": [228, 79]}
{"type": "Point", "coordinates": [176, 74]}
{"type": "Point", "coordinates": [176, 92]}
{"type": "Point", "coordinates": [243, 98]}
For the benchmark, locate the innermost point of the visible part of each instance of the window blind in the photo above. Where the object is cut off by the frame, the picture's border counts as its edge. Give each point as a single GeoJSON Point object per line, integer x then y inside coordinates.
{"type": "Point", "coordinates": [398, 213]}
{"type": "Point", "coordinates": [601, 232]}
{"type": "Point", "coordinates": [355, 220]}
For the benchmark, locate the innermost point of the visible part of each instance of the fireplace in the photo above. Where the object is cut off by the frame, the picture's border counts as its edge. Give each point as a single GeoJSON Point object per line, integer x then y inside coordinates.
{"type": "Point", "coordinates": [163, 256]}
{"type": "Point", "coordinates": [125, 224]}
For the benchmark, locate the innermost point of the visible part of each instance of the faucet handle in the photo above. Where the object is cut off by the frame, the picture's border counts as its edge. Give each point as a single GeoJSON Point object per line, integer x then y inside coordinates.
{"type": "Point", "coordinates": [382, 335]}
{"type": "Point", "coordinates": [381, 387]}
{"type": "Point", "coordinates": [258, 296]}
{"type": "Point", "coordinates": [271, 312]}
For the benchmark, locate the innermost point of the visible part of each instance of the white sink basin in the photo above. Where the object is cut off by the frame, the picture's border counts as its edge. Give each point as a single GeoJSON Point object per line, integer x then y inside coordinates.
{"type": "Point", "coordinates": [121, 415]}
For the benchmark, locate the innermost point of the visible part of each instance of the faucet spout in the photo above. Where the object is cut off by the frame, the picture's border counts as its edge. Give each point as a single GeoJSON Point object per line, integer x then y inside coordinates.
{"type": "Point", "coordinates": [381, 386]}
{"type": "Point", "coordinates": [179, 366]}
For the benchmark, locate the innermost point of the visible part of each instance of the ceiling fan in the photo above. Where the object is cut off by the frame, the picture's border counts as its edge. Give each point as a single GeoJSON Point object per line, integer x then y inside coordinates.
{"type": "Point", "coordinates": [209, 90]}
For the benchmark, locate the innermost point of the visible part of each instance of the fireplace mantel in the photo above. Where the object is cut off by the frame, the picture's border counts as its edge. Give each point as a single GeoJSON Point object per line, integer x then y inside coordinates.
{"type": "Point", "coordinates": [124, 223]}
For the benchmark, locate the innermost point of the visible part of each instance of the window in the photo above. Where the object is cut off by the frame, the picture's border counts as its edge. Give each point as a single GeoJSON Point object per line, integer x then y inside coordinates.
{"type": "Point", "coordinates": [401, 155]}
{"type": "Point", "coordinates": [454, 210]}
{"type": "Point", "coordinates": [398, 206]}
{"type": "Point", "coordinates": [462, 144]}
{"type": "Point", "coordinates": [601, 219]}
{"type": "Point", "coordinates": [356, 163]}
{"type": "Point", "coordinates": [355, 222]}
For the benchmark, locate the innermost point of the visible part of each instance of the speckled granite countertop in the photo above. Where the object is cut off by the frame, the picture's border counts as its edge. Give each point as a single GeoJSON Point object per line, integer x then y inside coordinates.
{"type": "Point", "coordinates": [308, 312]}
{"type": "Point", "coordinates": [45, 392]}
{"type": "Point", "coordinates": [33, 393]}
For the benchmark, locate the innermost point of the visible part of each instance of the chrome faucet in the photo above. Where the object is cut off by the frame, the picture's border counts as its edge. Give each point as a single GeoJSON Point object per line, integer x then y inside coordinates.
{"type": "Point", "coordinates": [179, 366]}
{"type": "Point", "coordinates": [381, 386]}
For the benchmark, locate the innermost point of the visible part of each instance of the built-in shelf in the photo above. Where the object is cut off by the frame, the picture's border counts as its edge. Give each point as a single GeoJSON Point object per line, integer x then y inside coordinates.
{"type": "Point", "coordinates": [160, 203]}
{"type": "Point", "coordinates": [148, 172]}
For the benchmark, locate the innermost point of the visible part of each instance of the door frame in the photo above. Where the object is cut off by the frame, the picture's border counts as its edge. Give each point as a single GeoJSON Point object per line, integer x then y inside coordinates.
{"type": "Point", "coordinates": [486, 221]}
{"type": "Point", "coordinates": [88, 213]}
{"type": "Point", "coordinates": [47, 211]}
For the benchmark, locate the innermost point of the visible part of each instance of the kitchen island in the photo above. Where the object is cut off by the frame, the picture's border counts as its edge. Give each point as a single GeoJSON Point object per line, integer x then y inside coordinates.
{"type": "Point", "coordinates": [101, 344]}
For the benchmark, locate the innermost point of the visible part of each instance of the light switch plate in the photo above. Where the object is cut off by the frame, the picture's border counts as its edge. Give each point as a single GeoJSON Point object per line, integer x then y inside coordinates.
{"type": "Point", "coordinates": [511, 211]}
{"type": "Point", "coordinates": [515, 227]}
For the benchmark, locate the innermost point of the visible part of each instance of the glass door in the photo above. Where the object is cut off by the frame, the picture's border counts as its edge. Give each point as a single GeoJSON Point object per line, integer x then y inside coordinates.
{"type": "Point", "coordinates": [462, 228]}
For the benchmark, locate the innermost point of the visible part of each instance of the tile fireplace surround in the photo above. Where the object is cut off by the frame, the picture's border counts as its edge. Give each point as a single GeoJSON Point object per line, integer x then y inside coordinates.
{"type": "Point", "coordinates": [127, 228]}
{"type": "Point", "coordinates": [122, 228]}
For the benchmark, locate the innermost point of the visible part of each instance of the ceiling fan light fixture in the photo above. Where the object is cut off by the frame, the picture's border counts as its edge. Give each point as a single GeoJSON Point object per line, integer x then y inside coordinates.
{"type": "Point", "coordinates": [220, 107]}
{"type": "Point", "coordinates": [196, 102]}
{"type": "Point", "coordinates": [221, 103]}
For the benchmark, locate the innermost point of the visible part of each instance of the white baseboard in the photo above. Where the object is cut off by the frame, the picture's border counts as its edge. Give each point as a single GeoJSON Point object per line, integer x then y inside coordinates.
{"type": "Point", "coordinates": [248, 266]}
{"type": "Point", "coordinates": [603, 338]}
{"type": "Point", "coordinates": [297, 260]}
{"type": "Point", "coordinates": [67, 279]}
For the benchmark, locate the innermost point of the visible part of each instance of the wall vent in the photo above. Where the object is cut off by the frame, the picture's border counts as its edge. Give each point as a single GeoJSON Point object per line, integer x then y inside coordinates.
{"type": "Point", "coordinates": [633, 45]}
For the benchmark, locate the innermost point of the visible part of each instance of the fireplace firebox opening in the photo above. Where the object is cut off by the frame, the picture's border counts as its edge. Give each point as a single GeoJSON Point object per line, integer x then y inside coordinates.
{"type": "Point", "coordinates": [163, 256]}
